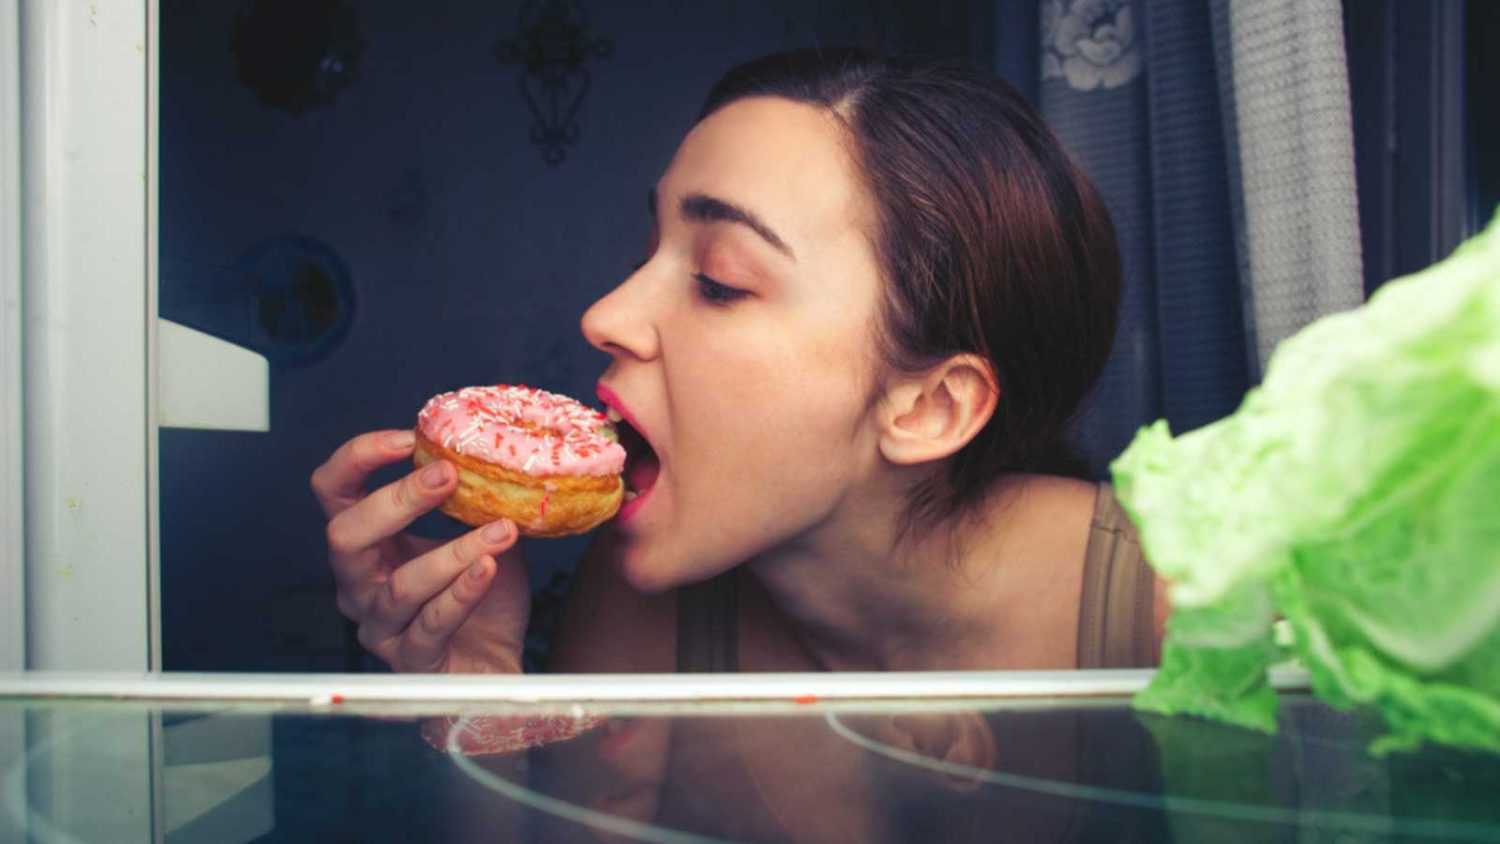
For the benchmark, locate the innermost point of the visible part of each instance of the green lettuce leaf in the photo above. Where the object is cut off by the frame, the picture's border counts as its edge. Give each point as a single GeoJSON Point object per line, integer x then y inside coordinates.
{"type": "Point", "coordinates": [1226, 684]}
{"type": "Point", "coordinates": [1356, 493]}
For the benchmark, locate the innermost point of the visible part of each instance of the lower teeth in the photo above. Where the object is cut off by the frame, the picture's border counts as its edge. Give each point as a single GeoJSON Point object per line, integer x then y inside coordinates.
{"type": "Point", "coordinates": [629, 494]}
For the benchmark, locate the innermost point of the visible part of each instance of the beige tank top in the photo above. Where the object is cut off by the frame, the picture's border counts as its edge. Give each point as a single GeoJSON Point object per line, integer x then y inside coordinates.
{"type": "Point", "coordinates": [1114, 620]}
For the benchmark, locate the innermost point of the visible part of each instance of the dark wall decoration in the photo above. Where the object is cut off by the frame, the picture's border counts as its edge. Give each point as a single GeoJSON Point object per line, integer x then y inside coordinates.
{"type": "Point", "coordinates": [299, 298]}
{"type": "Point", "coordinates": [552, 43]}
{"type": "Point", "coordinates": [297, 54]}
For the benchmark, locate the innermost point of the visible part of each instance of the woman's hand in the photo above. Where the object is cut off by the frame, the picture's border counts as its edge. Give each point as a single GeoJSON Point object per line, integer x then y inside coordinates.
{"type": "Point", "coordinates": [421, 605]}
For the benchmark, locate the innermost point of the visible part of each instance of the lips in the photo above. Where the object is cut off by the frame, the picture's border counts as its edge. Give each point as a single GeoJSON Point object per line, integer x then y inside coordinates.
{"type": "Point", "coordinates": [642, 465]}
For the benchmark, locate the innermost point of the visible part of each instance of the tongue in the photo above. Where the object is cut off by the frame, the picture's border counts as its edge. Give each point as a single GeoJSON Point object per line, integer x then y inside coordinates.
{"type": "Point", "coordinates": [641, 474]}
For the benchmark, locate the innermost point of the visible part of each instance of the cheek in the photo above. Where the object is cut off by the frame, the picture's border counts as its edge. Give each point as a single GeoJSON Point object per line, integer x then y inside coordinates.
{"type": "Point", "coordinates": [767, 435]}
{"type": "Point", "coordinates": [784, 413]}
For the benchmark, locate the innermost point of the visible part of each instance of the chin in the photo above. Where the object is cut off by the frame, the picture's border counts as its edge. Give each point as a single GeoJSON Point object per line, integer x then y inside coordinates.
{"type": "Point", "coordinates": [654, 571]}
{"type": "Point", "coordinates": [644, 570]}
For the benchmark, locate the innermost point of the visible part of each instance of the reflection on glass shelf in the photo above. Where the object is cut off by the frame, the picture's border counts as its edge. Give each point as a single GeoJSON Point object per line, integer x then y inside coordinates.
{"type": "Point", "coordinates": [1048, 769]}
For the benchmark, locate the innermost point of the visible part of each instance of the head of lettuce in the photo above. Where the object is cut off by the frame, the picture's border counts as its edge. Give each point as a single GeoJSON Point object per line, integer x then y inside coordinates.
{"type": "Point", "coordinates": [1356, 494]}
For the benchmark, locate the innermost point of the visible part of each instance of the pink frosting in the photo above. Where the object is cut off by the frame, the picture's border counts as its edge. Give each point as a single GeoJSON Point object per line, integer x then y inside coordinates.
{"type": "Point", "coordinates": [524, 430]}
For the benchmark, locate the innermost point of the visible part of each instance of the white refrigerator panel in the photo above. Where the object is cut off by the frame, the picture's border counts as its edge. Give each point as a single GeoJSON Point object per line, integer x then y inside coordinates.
{"type": "Point", "coordinates": [12, 489]}
{"type": "Point", "coordinates": [87, 318]}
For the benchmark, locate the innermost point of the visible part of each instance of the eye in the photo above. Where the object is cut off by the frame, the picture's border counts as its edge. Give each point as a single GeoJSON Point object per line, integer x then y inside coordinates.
{"type": "Point", "coordinates": [715, 293]}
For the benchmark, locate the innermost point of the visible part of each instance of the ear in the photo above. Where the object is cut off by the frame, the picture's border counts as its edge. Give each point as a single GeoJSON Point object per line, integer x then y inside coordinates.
{"type": "Point", "coordinates": [932, 415]}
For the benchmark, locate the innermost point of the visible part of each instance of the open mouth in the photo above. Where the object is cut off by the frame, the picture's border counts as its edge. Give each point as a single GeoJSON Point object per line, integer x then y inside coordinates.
{"type": "Point", "coordinates": [641, 463]}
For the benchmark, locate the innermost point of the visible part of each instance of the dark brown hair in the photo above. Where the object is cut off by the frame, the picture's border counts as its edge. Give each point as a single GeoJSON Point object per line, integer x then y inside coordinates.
{"type": "Point", "coordinates": [990, 238]}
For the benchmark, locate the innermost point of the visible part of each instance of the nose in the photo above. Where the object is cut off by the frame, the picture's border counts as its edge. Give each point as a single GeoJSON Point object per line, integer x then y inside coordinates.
{"type": "Point", "coordinates": [621, 324]}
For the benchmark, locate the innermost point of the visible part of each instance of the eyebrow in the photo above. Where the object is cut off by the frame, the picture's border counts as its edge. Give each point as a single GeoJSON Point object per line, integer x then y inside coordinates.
{"type": "Point", "coordinates": [702, 208]}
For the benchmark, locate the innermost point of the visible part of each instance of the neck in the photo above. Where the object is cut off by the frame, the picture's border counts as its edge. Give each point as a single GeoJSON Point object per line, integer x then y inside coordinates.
{"type": "Point", "coordinates": [859, 599]}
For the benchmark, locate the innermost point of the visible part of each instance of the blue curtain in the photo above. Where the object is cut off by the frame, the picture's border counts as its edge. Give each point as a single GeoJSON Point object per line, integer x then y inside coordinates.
{"type": "Point", "coordinates": [1131, 89]}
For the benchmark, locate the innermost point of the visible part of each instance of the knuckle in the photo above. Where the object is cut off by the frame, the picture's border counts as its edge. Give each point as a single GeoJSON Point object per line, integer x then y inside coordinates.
{"type": "Point", "coordinates": [354, 449]}
{"type": "Point", "coordinates": [432, 620]}
{"type": "Point", "coordinates": [393, 595]}
{"type": "Point", "coordinates": [346, 606]}
{"type": "Point", "coordinates": [365, 455]}
{"type": "Point", "coordinates": [464, 549]}
{"type": "Point", "coordinates": [318, 481]}
{"type": "Point", "coordinates": [337, 535]}
{"type": "Point", "coordinates": [404, 496]}
{"type": "Point", "coordinates": [420, 658]}
{"type": "Point", "coordinates": [359, 445]}
{"type": "Point", "coordinates": [467, 590]}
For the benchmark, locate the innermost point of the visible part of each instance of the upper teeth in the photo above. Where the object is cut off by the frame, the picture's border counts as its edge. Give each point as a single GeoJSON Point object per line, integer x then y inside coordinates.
{"type": "Point", "coordinates": [613, 415]}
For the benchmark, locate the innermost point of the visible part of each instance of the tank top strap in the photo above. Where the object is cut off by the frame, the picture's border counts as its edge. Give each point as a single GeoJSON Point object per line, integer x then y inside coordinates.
{"type": "Point", "coordinates": [708, 625]}
{"type": "Point", "coordinates": [1115, 615]}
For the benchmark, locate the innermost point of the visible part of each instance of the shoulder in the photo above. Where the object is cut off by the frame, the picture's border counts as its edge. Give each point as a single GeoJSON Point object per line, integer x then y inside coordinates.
{"type": "Point", "coordinates": [1035, 538]}
{"type": "Point", "coordinates": [1051, 506]}
{"type": "Point", "coordinates": [1071, 491]}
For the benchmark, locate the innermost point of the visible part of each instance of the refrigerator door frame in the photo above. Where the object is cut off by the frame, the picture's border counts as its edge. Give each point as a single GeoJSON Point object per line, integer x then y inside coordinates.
{"type": "Point", "coordinates": [86, 126]}
{"type": "Point", "coordinates": [78, 389]}
{"type": "Point", "coordinates": [12, 485]}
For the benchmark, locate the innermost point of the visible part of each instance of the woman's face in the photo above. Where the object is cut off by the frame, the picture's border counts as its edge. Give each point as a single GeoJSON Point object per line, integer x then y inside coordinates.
{"type": "Point", "coordinates": [744, 347]}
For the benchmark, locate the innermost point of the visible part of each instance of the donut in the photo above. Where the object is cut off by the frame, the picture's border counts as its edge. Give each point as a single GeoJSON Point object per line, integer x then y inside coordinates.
{"type": "Point", "coordinates": [543, 460]}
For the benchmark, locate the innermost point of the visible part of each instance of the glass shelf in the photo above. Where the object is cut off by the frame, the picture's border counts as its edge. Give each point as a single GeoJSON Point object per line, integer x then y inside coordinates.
{"type": "Point", "coordinates": [983, 757]}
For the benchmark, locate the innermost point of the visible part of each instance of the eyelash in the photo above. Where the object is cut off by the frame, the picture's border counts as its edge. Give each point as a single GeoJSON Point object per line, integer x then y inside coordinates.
{"type": "Point", "coordinates": [710, 291]}
{"type": "Point", "coordinates": [716, 294]}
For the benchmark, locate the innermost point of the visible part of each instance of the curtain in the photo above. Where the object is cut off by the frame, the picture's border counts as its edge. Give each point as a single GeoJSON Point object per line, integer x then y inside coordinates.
{"type": "Point", "coordinates": [1219, 135]}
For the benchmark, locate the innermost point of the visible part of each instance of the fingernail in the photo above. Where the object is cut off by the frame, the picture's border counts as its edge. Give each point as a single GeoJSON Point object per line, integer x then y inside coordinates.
{"type": "Point", "coordinates": [496, 532]}
{"type": "Point", "coordinates": [476, 571]}
{"type": "Point", "coordinates": [401, 440]}
{"type": "Point", "coordinates": [435, 475]}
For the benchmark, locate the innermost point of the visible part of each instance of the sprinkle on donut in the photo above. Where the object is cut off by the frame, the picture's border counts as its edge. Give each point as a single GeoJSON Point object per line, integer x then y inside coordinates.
{"type": "Point", "coordinates": [523, 429]}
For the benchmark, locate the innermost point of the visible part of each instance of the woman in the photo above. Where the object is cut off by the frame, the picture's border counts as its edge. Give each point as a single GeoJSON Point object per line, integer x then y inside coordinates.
{"type": "Point", "coordinates": [873, 297]}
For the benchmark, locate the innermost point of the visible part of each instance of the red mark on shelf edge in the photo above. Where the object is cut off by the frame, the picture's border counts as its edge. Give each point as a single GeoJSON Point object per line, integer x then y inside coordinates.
{"type": "Point", "coordinates": [805, 699]}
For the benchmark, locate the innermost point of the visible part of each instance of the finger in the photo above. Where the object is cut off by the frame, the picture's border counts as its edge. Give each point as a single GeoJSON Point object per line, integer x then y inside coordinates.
{"type": "Point", "coordinates": [414, 585]}
{"type": "Point", "coordinates": [424, 648]}
{"type": "Point", "coordinates": [383, 514]}
{"type": "Point", "coordinates": [339, 482]}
